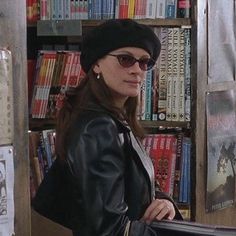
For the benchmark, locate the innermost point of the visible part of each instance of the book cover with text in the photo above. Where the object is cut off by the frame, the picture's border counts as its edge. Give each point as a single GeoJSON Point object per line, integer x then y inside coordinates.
{"type": "Point", "coordinates": [221, 150]}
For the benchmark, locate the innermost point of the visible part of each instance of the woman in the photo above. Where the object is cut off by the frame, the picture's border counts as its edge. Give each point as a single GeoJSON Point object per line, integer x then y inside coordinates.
{"type": "Point", "coordinates": [108, 177]}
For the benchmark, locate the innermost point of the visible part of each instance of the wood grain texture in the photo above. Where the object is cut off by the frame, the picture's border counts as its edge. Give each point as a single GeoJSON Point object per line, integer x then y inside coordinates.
{"type": "Point", "coordinates": [200, 89]}
{"type": "Point", "coordinates": [13, 37]}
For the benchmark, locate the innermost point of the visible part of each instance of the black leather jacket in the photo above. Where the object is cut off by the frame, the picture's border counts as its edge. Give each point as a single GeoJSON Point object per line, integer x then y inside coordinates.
{"type": "Point", "coordinates": [108, 178]}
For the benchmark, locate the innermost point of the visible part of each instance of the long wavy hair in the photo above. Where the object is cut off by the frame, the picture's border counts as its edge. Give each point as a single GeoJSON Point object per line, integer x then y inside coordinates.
{"type": "Point", "coordinates": [94, 90]}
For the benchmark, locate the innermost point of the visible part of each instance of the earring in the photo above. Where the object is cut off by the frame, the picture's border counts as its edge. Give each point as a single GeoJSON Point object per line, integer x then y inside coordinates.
{"type": "Point", "coordinates": [98, 76]}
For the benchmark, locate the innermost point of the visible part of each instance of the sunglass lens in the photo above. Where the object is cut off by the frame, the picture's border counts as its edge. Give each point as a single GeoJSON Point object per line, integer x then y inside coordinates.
{"type": "Point", "coordinates": [126, 60]}
{"type": "Point", "coordinates": [146, 63]}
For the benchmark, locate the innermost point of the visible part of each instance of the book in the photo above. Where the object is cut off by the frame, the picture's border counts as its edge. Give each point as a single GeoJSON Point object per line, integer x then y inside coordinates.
{"type": "Point", "coordinates": [181, 75]}
{"type": "Point", "coordinates": [151, 9]}
{"type": "Point", "coordinates": [185, 228]}
{"type": "Point", "coordinates": [155, 94]}
{"type": "Point", "coordinates": [174, 77]}
{"type": "Point", "coordinates": [169, 161]}
{"type": "Point", "coordinates": [148, 97]}
{"type": "Point", "coordinates": [67, 9]}
{"type": "Point", "coordinates": [162, 151]}
{"type": "Point", "coordinates": [162, 82]}
{"type": "Point", "coordinates": [179, 144]}
{"type": "Point", "coordinates": [131, 8]}
{"type": "Point", "coordinates": [169, 74]}
{"type": "Point", "coordinates": [184, 8]}
{"type": "Point", "coordinates": [34, 141]}
{"type": "Point", "coordinates": [160, 9]}
{"type": "Point", "coordinates": [221, 149]}
{"type": "Point", "coordinates": [123, 6]}
{"type": "Point", "coordinates": [184, 175]}
{"type": "Point", "coordinates": [32, 11]}
{"type": "Point", "coordinates": [171, 9]}
{"type": "Point", "coordinates": [187, 74]}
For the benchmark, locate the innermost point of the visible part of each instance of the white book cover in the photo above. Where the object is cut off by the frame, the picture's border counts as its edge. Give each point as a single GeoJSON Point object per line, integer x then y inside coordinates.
{"type": "Point", "coordinates": [151, 9]}
{"type": "Point", "coordinates": [175, 76]}
{"type": "Point", "coordinates": [181, 76]}
{"type": "Point", "coordinates": [160, 9]}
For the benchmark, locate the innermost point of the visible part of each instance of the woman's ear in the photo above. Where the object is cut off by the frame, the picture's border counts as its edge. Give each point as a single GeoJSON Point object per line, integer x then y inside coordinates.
{"type": "Point", "coordinates": [96, 69]}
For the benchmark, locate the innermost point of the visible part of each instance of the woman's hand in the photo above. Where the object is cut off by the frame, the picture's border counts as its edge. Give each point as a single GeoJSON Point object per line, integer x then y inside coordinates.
{"type": "Point", "coordinates": [159, 209]}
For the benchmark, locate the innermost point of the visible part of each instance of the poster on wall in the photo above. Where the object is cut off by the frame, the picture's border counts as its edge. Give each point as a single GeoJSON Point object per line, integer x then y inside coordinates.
{"type": "Point", "coordinates": [6, 97]}
{"type": "Point", "coordinates": [221, 41]}
{"type": "Point", "coordinates": [6, 191]}
{"type": "Point", "coordinates": [221, 149]}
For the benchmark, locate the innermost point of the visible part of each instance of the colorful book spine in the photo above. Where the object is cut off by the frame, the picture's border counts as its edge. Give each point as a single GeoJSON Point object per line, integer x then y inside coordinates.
{"type": "Point", "coordinates": [162, 83]}
{"type": "Point", "coordinates": [185, 171]}
{"type": "Point", "coordinates": [54, 9]}
{"type": "Point", "coordinates": [184, 8]}
{"type": "Point", "coordinates": [43, 9]}
{"type": "Point", "coordinates": [187, 74]}
{"type": "Point", "coordinates": [131, 9]}
{"type": "Point", "coordinates": [142, 103]}
{"type": "Point", "coordinates": [67, 9]}
{"type": "Point", "coordinates": [155, 94]}
{"type": "Point", "coordinates": [148, 100]}
{"type": "Point", "coordinates": [151, 9]}
{"type": "Point", "coordinates": [169, 74]}
{"type": "Point", "coordinates": [161, 9]}
{"type": "Point", "coordinates": [179, 145]}
{"type": "Point", "coordinates": [168, 164]}
{"type": "Point", "coordinates": [72, 9]}
{"type": "Point", "coordinates": [181, 75]}
{"type": "Point", "coordinates": [175, 76]}
{"type": "Point", "coordinates": [60, 10]}
{"type": "Point", "coordinates": [171, 9]}
{"type": "Point", "coordinates": [85, 9]}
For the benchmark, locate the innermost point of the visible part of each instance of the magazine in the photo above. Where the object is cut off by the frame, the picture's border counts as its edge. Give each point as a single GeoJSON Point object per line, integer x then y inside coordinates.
{"type": "Point", "coordinates": [186, 228]}
{"type": "Point", "coordinates": [221, 149]}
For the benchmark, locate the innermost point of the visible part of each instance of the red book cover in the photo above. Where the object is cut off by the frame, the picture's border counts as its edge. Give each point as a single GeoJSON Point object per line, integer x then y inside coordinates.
{"type": "Point", "coordinates": [166, 163]}
{"type": "Point", "coordinates": [123, 9]}
{"type": "Point", "coordinates": [157, 148]}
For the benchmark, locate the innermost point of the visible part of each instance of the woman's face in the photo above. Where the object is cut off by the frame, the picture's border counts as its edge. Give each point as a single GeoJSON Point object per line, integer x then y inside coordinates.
{"type": "Point", "coordinates": [123, 82]}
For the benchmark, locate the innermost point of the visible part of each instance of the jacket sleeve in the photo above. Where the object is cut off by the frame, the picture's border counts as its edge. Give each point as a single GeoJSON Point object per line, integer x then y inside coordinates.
{"type": "Point", "coordinates": [97, 162]}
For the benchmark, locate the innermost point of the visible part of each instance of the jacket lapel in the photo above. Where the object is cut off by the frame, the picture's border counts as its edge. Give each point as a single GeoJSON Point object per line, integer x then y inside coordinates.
{"type": "Point", "coordinates": [145, 159]}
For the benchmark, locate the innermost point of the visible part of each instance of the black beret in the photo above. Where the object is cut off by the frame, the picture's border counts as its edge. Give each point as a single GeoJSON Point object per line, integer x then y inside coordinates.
{"type": "Point", "coordinates": [114, 34]}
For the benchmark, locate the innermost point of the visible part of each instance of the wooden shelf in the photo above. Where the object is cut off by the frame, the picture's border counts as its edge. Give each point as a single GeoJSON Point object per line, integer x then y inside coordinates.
{"type": "Point", "coordinates": [151, 22]}
{"type": "Point", "coordinates": [38, 124]}
{"type": "Point", "coordinates": [166, 124]}
{"type": "Point", "coordinates": [67, 27]}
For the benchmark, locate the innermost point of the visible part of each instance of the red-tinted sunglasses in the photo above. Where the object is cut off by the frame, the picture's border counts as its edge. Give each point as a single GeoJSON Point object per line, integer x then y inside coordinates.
{"type": "Point", "coordinates": [126, 61]}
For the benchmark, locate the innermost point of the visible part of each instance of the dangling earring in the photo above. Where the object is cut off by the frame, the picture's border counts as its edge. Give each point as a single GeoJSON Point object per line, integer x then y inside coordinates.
{"type": "Point", "coordinates": [98, 76]}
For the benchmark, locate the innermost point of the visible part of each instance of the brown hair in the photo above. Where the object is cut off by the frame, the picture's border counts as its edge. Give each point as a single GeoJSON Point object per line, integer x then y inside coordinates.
{"type": "Point", "coordinates": [94, 90]}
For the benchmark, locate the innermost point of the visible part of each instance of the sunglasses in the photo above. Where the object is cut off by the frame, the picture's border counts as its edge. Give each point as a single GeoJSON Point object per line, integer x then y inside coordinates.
{"type": "Point", "coordinates": [126, 61]}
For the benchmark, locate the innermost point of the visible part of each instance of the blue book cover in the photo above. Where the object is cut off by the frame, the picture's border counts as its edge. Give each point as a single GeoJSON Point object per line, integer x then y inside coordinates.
{"type": "Point", "coordinates": [171, 8]}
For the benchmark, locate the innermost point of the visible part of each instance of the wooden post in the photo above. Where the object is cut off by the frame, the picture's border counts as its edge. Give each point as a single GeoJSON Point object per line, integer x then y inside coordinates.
{"type": "Point", "coordinates": [13, 37]}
